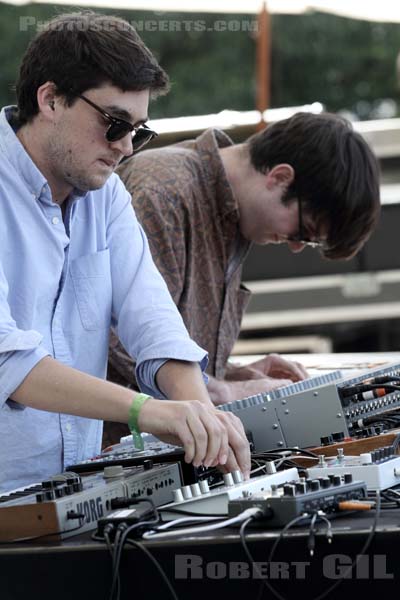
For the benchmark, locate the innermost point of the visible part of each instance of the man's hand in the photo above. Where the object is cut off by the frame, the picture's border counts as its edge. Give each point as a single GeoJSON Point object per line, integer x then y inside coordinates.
{"type": "Point", "coordinates": [272, 365]}
{"type": "Point", "coordinates": [264, 375]}
{"type": "Point", "coordinates": [222, 391]}
{"type": "Point", "coordinates": [208, 436]}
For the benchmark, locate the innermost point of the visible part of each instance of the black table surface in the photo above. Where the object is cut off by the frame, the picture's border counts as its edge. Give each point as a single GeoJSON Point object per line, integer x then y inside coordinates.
{"type": "Point", "coordinates": [209, 565]}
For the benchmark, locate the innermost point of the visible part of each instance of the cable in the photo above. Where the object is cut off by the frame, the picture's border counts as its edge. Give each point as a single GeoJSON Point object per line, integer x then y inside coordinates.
{"type": "Point", "coordinates": [188, 513]}
{"type": "Point", "coordinates": [359, 554]}
{"type": "Point", "coordinates": [249, 512]}
{"type": "Point", "coordinates": [176, 522]}
{"type": "Point", "coordinates": [277, 453]}
{"type": "Point", "coordinates": [156, 564]}
{"type": "Point", "coordinates": [311, 535]}
{"type": "Point", "coordinates": [248, 553]}
{"type": "Point", "coordinates": [118, 547]}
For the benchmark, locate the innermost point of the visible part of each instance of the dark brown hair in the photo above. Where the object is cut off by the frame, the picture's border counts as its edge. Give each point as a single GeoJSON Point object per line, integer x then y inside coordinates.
{"type": "Point", "coordinates": [84, 50]}
{"type": "Point", "coordinates": [336, 175]}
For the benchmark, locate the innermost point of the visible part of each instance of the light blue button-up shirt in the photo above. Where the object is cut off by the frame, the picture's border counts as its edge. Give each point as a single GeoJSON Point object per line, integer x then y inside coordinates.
{"type": "Point", "coordinates": [63, 282]}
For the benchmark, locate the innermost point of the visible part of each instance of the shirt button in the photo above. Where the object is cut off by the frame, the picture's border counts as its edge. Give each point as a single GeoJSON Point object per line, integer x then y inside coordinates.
{"type": "Point", "coordinates": [68, 427]}
{"type": "Point", "coordinates": [55, 220]}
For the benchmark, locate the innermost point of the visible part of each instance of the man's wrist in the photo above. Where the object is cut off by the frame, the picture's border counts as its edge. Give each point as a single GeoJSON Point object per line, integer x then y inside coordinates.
{"type": "Point", "coordinates": [133, 419]}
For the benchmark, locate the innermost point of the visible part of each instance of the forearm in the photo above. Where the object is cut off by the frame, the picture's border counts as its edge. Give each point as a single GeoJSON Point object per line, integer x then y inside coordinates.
{"type": "Point", "coordinates": [182, 380]}
{"type": "Point", "coordinates": [54, 387]}
{"type": "Point", "coordinates": [219, 391]}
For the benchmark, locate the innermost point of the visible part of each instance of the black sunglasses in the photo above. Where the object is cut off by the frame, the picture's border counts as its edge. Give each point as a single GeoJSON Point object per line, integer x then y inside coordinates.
{"type": "Point", "coordinates": [119, 128]}
{"type": "Point", "coordinates": [300, 237]}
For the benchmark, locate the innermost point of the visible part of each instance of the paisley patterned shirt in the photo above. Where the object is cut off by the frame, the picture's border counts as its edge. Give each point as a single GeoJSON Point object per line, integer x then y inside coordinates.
{"type": "Point", "coordinates": [185, 204]}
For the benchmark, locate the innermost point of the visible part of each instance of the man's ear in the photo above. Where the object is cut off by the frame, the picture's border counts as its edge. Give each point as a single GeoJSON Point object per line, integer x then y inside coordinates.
{"type": "Point", "coordinates": [46, 98]}
{"type": "Point", "coordinates": [280, 175]}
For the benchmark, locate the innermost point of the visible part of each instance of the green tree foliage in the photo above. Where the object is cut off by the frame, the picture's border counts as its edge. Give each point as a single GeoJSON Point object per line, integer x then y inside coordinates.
{"type": "Point", "coordinates": [344, 63]}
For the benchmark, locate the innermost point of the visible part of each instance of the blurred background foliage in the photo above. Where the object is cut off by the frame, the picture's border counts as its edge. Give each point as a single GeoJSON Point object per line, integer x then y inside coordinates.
{"type": "Point", "coordinates": [346, 64]}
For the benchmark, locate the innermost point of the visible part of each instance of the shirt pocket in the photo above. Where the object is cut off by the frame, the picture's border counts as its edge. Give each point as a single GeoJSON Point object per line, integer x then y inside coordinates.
{"type": "Point", "coordinates": [91, 277]}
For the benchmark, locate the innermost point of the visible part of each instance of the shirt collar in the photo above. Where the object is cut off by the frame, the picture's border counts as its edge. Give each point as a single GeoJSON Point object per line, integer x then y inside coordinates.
{"type": "Point", "coordinates": [208, 144]}
{"type": "Point", "coordinates": [16, 154]}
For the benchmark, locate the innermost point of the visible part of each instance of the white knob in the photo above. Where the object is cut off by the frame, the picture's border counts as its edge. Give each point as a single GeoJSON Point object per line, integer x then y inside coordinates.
{"type": "Point", "coordinates": [114, 471]}
{"type": "Point", "coordinates": [195, 488]}
{"type": "Point", "coordinates": [237, 476]}
{"type": "Point", "coordinates": [270, 467]}
{"type": "Point", "coordinates": [178, 496]}
{"type": "Point", "coordinates": [205, 488]}
{"type": "Point", "coordinates": [187, 492]}
{"type": "Point", "coordinates": [366, 458]}
{"type": "Point", "coordinates": [228, 479]}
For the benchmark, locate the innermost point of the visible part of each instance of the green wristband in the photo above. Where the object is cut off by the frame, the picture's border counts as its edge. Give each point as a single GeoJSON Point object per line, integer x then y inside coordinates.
{"type": "Point", "coordinates": [134, 411]}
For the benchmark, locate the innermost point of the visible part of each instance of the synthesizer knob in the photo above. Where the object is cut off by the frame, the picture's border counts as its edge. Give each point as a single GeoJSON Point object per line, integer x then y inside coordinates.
{"type": "Point", "coordinates": [228, 480]}
{"type": "Point", "coordinates": [315, 485]}
{"type": "Point", "coordinates": [325, 482]}
{"type": "Point", "coordinates": [78, 486]}
{"type": "Point", "coordinates": [40, 498]}
{"type": "Point", "coordinates": [326, 440]}
{"type": "Point", "coordinates": [48, 495]}
{"type": "Point", "coordinates": [48, 485]}
{"type": "Point", "coordinates": [270, 467]}
{"type": "Point", "coordinates": [147, 464]}
{"type": "Point", "coordinates": [348, 477]}
{"type": "Point", "coordinates": [113, 471]}
{"type": "Point", "coordinates": [69, 490]}
{"type": "Point", "coordinates": [187, 492]}
{"type": "Point", "coordinates": [205, 488]}
{"type": "Point", "coordinates": [340, 456]}
{"type": "Point", "coordinates": [274, 490]}
{"type": "Point", "coordinates": [289, 490]}
{"type": "Point", "coordinates": [388, 451]}
{"type": "Point", "coordinates": [338, 436]}
{"type": "Point", "coordinates": [177, 495]}
{"type": "Point", "coordinates": [196, 491]}
{"type": "Point", "coordinates": [301, 487]}
{"type": "Point", "coordinates": [237, 476]}
{"type": "Point", "coordinates": [366, 458]}
{"type": "Point", "coordinates": [337, 480]}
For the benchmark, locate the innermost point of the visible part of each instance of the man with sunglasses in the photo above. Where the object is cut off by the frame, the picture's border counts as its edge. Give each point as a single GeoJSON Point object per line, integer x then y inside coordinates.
{"type": "Point", "coordinates": [74, 260]}
{"type": "Point", "coordinates": [306, 180]}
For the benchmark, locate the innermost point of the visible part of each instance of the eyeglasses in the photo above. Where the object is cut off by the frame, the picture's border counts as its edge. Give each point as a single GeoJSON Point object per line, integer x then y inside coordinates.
{"type": "Point", "coordinates": [119, 128]}
{"type": "Point", "coordinates": [300, 237]}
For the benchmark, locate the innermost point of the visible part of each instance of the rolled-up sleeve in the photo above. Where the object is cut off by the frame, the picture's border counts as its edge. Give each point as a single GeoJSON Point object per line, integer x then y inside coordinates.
{"type": "Point", "coordinates": [144, 315]}
{"type": "Point", "coordinates": [147, 371]}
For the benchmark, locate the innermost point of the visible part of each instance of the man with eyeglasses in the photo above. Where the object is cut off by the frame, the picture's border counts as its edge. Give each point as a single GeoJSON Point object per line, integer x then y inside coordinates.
{"type": "Point", "coordinates": [306, 180]}
{"type": "Point", "coordinates": [74, 260]}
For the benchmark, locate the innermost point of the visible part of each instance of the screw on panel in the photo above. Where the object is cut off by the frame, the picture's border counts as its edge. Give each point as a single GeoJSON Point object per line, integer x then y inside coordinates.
{"type": "Point", "coordinates": [274, 426]}
{"type": "Point", "coordinates": [339, 415]}
{"type": "Point", "coordinates": [280, 443]}
{"type": "Point", "coordinates": [287, 411]}
{"type": "Point", "coordinates": [315, 394]}
{"type": "Point", "coordinates": [264, 409]}
{"type": "Point", "coordinates": [284, 401]}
